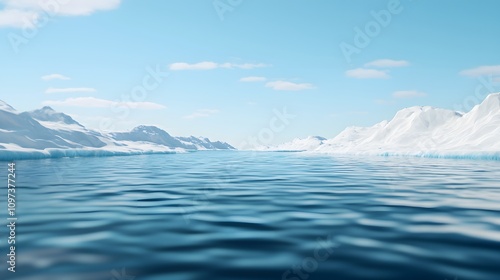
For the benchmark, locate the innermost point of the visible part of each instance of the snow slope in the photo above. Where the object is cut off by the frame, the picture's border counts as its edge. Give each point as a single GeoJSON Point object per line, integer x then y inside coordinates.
{"type": "Point", "coordinates": [47, 133]}
{"type": "Point", "coordinates": [158, 136]}
{"type": "Point", "coordinates": [148, 134]}
{"type": "Point", "coordinates": [201, 143]}
{"type": "Point", "coordinates": [48, 114]}
{"type": "Point", "coordinates": [6, 107]}
{"type": "Point", "coordinates": [420, 131]}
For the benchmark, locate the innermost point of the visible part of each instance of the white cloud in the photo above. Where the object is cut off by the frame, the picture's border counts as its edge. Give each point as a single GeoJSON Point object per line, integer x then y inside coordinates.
{"type": "Point", "coordinates": [55, 77]}
{"type": "Point", "coordinates": [408, 94]}
{"type": "Point", "coordinates": [482, 71]}
{"type": "Point", "coordinates": [209, 65]}
{"type": "Point", "coordinates": [387, 63]}
{"type": "Point", "coordinates": [253, 79]}
{"type": "Point", "coordinates": [92, 102]}
{"type": "Point", "coordinates": [65, 8]}
{"type": "Point", "coordinates": [203, 113]}
{"type": "Point", "coordinates": [87, 7]}
{"type": "Point", "coordinates": [69, 90]}
{"type": "Point", "coordinates": [197, 66]}
{"type": "Point", "coordinates": [289, 86]}
{"type": "Point", "coordinates": [25, 13]}
{"type": "Point", "coordinates": [17, 18]}
{"type": "Point", "coordinates": [363, 73]}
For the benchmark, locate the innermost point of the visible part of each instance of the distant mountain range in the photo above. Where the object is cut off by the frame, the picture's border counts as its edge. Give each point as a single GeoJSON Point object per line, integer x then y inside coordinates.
{"type": "Point", "coordinates": [418, 131]}
{"type": "Point", "coordinates": [47, 133]}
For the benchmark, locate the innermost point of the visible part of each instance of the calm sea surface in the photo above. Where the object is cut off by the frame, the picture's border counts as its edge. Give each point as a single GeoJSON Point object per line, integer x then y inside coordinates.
{"type": "Point", "coordinates": [244, 215]}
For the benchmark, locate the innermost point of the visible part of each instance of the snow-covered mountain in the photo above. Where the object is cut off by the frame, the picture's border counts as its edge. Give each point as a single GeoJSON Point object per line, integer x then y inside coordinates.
{"type": "Point", "coordinates": [202, 143]}
{"type": "Point", "coordinates": [423, 131]}
{"type": "Point", "coordinates": [22, 130]}
{"type": "Point", "coordinates": [47, 133]}
{"type": "Point", "coordinates": [47, 114]}
{"type": "Point", "coordinates": [6, 107]}
{"type": "Point", "coordinates": [156, 135]}
{"type": "Point", "coordinates": [150, 134]}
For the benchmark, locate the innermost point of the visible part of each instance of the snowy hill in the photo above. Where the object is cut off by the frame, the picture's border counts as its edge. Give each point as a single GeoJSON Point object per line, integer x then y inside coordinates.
{"type": "Point", "coordinates": [201, 143]}
{"type": "Point", "coordinates": [148, 134]}
{"type": "Point", "coordinates": [22, 130]}
{"type": "Point", "coordinates": [47, 133]}
{"type": "Point", "coordinates": [6, 107]}
{"type": "Point", "coordinates": [422, 131]}
{"type": "Point", "coordinates": [49, 115]}
{"type": "Point", "coordinates": [156, 135]}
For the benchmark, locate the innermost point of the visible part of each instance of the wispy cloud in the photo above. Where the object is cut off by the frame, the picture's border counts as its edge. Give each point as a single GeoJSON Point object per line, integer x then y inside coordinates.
{"type": "Point", "coordinates": [209, 65]}
{"type": "Point", "coordinates": [408, 94]}
{"type": "Point", "coordinates": [206, 65]}
{"type": "Point", "coordinates": [203, 113]}
{"type": "Point", "coordinates": [69, 90]}
{"type": "Point", "coordinates": [18, 14]}
{"type": "Point", "coordinates": [482, 71]}
{"type": "Point", "coordinates": [387, 63]}
{"type": "Point", "coordinates": [367, 72]}
{"type": "Point", "coordinates": [92, 102]}
{"type": "Point", "coordinates": [288, 86]}
{"type": "Point", "coordinates": [363, 73]}
{"type": "Point", "coordinates": [55, 77]}
{"type": "Point", "coordinates": [253, 79]}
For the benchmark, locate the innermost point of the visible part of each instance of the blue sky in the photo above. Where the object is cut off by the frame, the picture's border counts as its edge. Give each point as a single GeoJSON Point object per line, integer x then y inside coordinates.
{"type": "Point", "coordinates": [223, 68]}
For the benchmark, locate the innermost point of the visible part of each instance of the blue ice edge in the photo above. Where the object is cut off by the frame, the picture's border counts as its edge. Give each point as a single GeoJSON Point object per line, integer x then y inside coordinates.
{"type": "Point", "coordinates": [473, 156]}
{"type": "Point", "coordinates": [490, 156]}
{"type": "Point", "coordinates": [6, 155]}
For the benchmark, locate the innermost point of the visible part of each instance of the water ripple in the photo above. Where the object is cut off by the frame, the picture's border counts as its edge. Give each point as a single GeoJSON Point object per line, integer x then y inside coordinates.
{"type": "Point", "coordinates": [238, 215]}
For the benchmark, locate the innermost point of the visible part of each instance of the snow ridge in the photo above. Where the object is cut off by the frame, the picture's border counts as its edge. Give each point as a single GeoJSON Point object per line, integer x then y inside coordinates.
{"type": "Point", "coordinates": [418, 131]}
{"type": "Point", "coordinates": [46, 133]}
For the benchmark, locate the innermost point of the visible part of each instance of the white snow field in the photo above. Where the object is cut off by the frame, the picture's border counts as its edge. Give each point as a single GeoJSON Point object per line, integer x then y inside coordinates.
{"type": "Point", "coordinates": [417, 131]}
{"type": "Point", "coordinates": [46, 133]}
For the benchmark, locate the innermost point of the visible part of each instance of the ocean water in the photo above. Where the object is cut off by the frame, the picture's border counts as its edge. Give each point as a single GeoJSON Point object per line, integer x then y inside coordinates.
{"type": "Point", "coordinates": [244, 215]}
